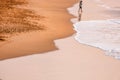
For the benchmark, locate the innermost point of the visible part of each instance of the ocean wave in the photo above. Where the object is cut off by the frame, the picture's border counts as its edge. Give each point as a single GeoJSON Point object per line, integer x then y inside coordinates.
{"type": "Point", "coordinates": [103, 34]}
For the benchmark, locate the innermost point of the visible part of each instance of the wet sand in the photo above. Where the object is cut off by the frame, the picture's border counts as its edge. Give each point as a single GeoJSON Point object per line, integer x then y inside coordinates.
{"type": "Point", "coordinates": [56, 25]}
{"type": "Point", "coordinates": [73, 61]}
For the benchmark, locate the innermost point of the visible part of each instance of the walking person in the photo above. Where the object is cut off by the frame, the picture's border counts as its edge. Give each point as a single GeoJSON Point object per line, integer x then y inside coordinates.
{"type": "Point", "coordinates": [80, 10]}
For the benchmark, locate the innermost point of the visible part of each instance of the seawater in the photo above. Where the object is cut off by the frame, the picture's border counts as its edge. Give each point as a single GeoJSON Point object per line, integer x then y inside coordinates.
{"type": "Point", "coordinates": [103, 34]}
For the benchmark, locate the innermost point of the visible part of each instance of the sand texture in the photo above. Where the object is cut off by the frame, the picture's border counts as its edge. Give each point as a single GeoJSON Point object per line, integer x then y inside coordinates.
{"type": "Point", "coordinates": [69, 60]}
{"type": "Point", "coordinates": [50, 19]}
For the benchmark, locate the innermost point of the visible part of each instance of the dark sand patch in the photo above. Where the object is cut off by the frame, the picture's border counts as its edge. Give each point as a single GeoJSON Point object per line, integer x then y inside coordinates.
{"type": "Point", "coordinates": [17, 20]}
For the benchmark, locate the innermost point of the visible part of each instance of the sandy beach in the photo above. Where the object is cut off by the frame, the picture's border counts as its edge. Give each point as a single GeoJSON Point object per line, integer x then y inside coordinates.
{"type": "Point", "coordinates": [62, 58]}
{"type": "Point", "coordinates": [70, 62]}
{"type": "Point", "coordinates": [56, 25]}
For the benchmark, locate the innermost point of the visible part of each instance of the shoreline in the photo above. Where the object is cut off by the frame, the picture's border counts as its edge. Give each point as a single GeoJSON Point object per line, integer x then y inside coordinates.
{"type": "Point", "coordinates": [91, 22]}
{"type": "Point", "coordinates": [73, 61]}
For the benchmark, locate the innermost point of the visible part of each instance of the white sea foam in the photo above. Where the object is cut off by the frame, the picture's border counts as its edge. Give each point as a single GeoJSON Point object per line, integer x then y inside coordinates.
{"type": "Point", "coordinates": [104, 34]}
{"type": "Point", "coordinates": [74, 11]}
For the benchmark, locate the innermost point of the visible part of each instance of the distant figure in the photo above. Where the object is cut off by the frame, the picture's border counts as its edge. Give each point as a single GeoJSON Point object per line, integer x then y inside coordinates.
{"type": "Point", "coordinates": [80, 10]}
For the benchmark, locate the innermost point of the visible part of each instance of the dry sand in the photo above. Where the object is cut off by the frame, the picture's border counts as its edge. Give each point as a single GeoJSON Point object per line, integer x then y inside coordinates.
{"type": "Point", "coordinates": [73, 61]}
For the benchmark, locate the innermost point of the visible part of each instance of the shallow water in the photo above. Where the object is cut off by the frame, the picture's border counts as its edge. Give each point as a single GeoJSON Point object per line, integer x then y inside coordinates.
{"type": "Point", "coordinates": [103, 34]}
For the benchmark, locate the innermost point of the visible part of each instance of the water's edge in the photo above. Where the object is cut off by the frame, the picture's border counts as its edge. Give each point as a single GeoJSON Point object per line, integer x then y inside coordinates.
{"type": "Point", "coordinates": [102, 34]}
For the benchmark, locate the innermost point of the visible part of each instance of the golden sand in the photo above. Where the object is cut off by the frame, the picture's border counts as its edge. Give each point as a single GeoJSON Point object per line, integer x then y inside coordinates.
{"type": "Point", "coordinates": [73, 61]}
{"type": "Point", "coordinates": [49, 17]}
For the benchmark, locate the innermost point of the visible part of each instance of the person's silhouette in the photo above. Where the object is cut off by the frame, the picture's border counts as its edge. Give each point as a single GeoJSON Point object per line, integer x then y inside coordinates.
{"type": "Point", "coordinates": [80, 10]}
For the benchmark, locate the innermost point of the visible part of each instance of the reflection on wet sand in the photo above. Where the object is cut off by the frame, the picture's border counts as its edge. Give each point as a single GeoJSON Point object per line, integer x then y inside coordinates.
{"type": "Point", "coordinates": [79, 16]}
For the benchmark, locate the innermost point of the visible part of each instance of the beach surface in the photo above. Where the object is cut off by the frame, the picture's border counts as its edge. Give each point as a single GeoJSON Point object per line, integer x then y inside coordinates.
{"type": "Point", "coordinates": [56, 25]}
{"type": "Point", "coordinates": [69, 61]}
